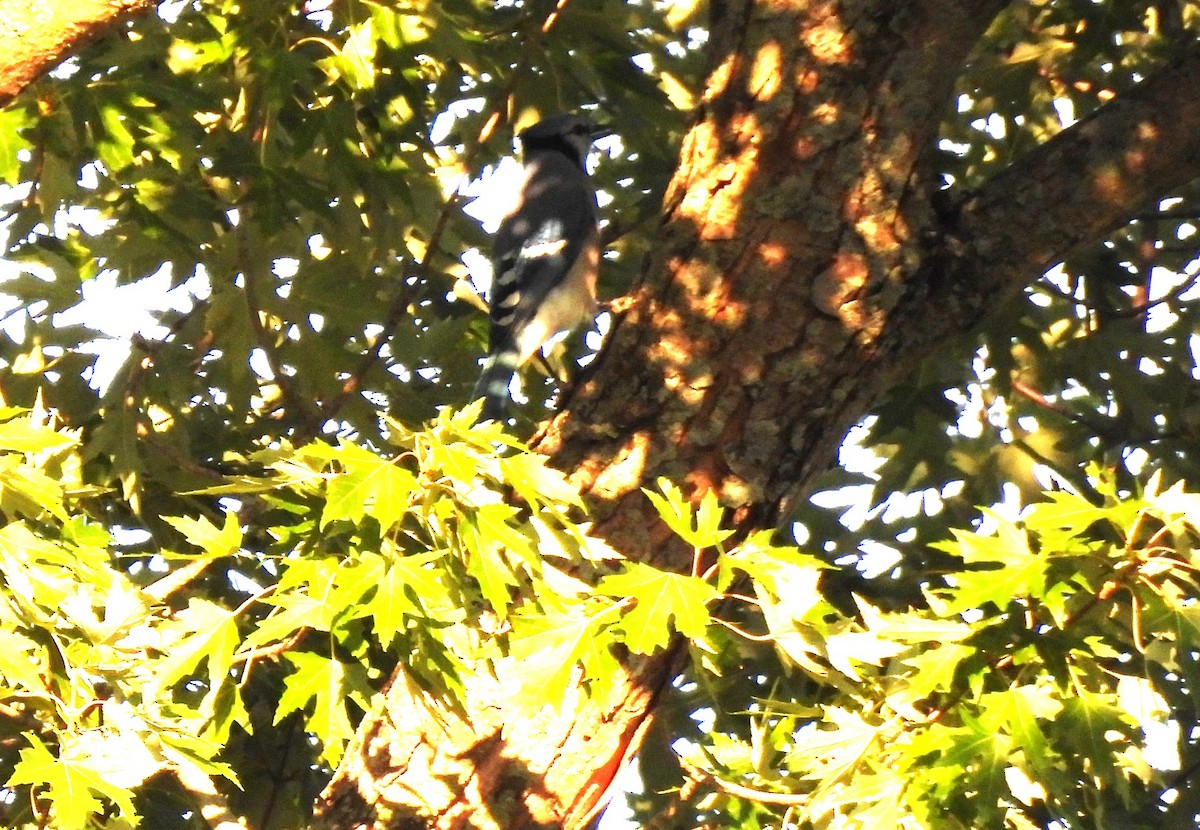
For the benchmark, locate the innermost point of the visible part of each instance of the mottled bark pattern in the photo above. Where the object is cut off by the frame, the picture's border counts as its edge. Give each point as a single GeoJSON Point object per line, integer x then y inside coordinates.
{"type": "Point", "coordinates": [794, 222]}
{"type": "Point", "coordinates": [802, 269]}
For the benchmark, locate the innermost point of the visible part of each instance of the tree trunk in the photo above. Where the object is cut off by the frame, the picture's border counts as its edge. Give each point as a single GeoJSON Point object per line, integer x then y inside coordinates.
{"type": "Point", "coordinates": [802, 269]}
{"type": "Point", "coordinates": [38, 36]}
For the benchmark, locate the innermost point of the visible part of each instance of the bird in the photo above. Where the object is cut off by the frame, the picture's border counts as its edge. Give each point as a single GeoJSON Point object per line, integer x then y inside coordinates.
{"type": "Point", "coordinates": [545, 254]}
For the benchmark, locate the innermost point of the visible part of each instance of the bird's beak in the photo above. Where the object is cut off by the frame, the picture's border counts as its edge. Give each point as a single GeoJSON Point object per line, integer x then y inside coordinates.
{"type": "Point", "coordinates": [600, 131]}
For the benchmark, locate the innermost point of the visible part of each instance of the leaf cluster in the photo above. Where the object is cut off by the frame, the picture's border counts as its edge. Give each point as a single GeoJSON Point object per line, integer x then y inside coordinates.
{"type": "Point", "coordinates": [441, 556]}
{"type": "Point", "coordinates": [1045, 681]}
{"type": "Point", "coordinates": [1026, 688]}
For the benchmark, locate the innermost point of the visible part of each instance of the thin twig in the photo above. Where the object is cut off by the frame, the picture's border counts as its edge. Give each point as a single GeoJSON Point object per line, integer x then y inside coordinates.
{"type": "Point", "coordinates": [1136, 309]}
{"type": "Point", "coordinates": [1029, 393]}
{"type": "Point", "coordinates": [742, 791]}
{"type": "Point", "coordinates": [754, 638]}
{"type": "Point", "coordinates": [177, 579]}
{"type": "Point", "coordinates": [272, 650]}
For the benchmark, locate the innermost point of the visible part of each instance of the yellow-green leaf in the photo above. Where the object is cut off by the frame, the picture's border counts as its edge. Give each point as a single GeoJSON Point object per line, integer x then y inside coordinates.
{"type": "Point", "coordinates": [214, 541]}
{"type": "Point", "coordinates": [661, 598]}
{"type": "Point", "coordinates": [23, 435]}
{"type": "Point", "coordinates": [210, 632]}
{"type": "Point", "coordinates": [326, 683]}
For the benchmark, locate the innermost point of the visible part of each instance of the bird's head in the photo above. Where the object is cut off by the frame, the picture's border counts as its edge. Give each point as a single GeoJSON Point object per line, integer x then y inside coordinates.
{"type": "Point", "coordinates": [567, 133]}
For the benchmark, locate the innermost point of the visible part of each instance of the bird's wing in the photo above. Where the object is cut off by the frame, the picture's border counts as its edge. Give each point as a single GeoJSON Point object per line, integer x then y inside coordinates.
{"type": "Point", "coordinates": [539, 243]}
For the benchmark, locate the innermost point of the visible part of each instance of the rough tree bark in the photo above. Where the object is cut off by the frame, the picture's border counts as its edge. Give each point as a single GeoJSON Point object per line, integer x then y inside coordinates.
{"type": "Point", "coordinates": [38, 36]}
{"type": "Point", "coordinates": [803, 268]}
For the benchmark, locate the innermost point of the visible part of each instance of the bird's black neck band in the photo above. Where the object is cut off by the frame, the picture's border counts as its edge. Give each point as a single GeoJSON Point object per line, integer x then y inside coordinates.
{"type": "Point", "coordinates": [553, 144]}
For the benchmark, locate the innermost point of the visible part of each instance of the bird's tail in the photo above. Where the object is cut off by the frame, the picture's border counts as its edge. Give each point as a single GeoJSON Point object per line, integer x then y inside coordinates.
{"type": "Point", "coordinates": [497, 374]}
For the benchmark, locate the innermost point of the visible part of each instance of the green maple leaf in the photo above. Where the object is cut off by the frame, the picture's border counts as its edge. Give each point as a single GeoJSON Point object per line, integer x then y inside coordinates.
{"type": "Point", "coordinates": [24, 435]}
{"type": "Point", "coordinates": [12, 121]}
{"type": "Point", "coordinates": [423, 573]}
{"type": "Point", "coordinates": [1065, 511]}
{"type": "Point", "coordinates": [1019, 709]}
{"type": "Point", "coordinates": [371, 486]}
{"type": "Point", "coordinates": [16, 669]}
{"type": "Point", "coordinates": [486, 533]}
{"type": "Point", "coordinates": [778, 568]}
{"type": "Point", "coordinates": [972, 752]}
{"type": "Point", "coordinates": [456, 461]}
{"type": "Point", "coordinates": [699, 528]}
{"type": "Point", "coordinates": [1020, 571]}
{"type": "Point", "coordinates": [493, 522]}
{"type": "Point", "coordinates": [1180, 619]}
{"type": "Point", "coordinates": [912, 627]}
{"type": "Point", "coordinates": [1096, 726]}
{"type": "Point", "coordinates": [936, 668]}
{"type": "Point", "coordinates": [202, 533]}
{"type": "Point", "coordinates": [547, 647]}
{"type": "Point", "coordinates": [1025, 578]}
{"type": "Point", "coordinates": [661, 598]}
{"type": "Point", "coordinates": [410, 587]}
{"type": "Point", "coordinates": [836, 745]}
{"type": "Point", "coordinates": [389, 606]}
{"type": "Point", "coordinates": [536, 483]}
{"type": "Point", "coordinates": [297, 611]}
{"type": "Point", "coordinates": [69, 783]}
{"type": "Point", "coordinates": [1175, 502]}
{"type": "Point", "coordinates": [326, 683]}
{"type": "Point", "coordinates": [28, 491]}
{"type": "Point", "coordinates": [212, 633]}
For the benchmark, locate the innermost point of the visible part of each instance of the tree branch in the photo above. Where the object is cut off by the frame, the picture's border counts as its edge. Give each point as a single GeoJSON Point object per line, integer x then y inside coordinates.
{"type": "Point", "coordinates": [39, 36]}
{"type": "Point", "coordinates": [1078, 186]}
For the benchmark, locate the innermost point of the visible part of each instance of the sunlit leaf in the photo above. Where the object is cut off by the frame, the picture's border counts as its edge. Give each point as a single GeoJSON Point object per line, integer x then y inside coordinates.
{"type": "Point", "coordinates": [25, 436]}
{"type": "Point", "coordinates": [71, 783]}
{"type": "Point", "coordinates": [662, 601]}
{"type": "Point", "coordinates": [325, 684]}
{"type": "Point", "coordinates": [202, 533]}
{"type": "Point", "coordinates": [547, 649]}
{"type": "Point", "coordinates": [206, 631]}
